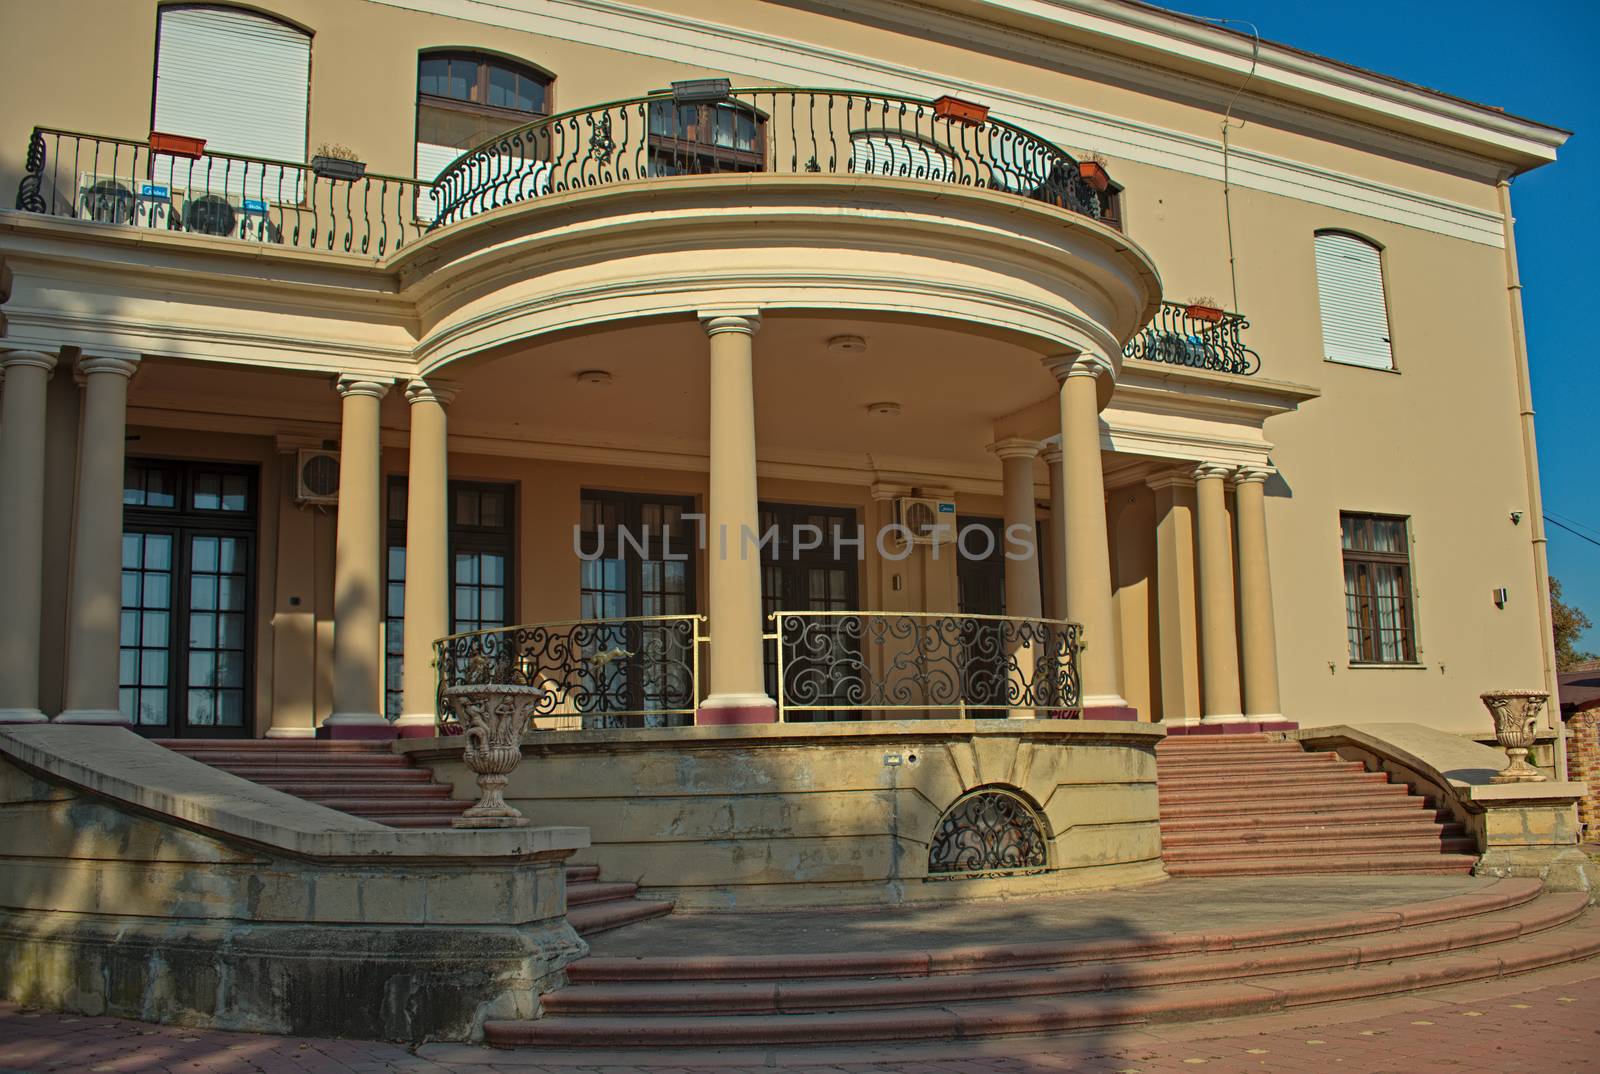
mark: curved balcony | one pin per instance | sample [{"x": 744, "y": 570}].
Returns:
[
  {"x": 1199, "y": 337},
  {"x": 174, "y": 184}
]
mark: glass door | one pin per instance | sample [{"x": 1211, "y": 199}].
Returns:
[
  {"x": 803, "y": 569},
  {"x": 981, "y": 580}
]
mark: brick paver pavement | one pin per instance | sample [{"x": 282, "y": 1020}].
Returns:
[{"x": 1544, "y": 1023}]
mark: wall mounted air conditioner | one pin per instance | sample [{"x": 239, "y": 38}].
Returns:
[
  {"x": 930, "y": 521},
  {"x": 124, "y": 201},
  {"x": 316, "y": 476}
]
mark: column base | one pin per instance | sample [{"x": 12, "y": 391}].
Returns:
[
  {"x": 1248, "y": 726},
  {"x": 726, "y": 709},
  {"x": 1227, "y": 717},
  {"x": 1124, "y": 712},
  {"x": 102, "y": 717},
  {"x": 417, "y": 725},
  {"x": 290, "y": 732},
  {"x": 357, "y": 725},
  {"x": 23, "y": 716}
]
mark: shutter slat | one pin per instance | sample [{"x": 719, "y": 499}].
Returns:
[
  {"x": 240, "y": 82},
  {"x": 1355, "y": 317}
]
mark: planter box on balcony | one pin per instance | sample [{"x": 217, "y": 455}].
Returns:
[
  {"x": 177, "y": 145},
  {"x": 958, "y": 111},
  {"x": 338, "y": 168},
  {"x": 1204, "y": 313},
  {"x": 1094, "y": 173}
]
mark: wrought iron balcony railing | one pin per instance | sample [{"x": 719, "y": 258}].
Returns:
[
  {"x": 596, "y": 673},
  {"x": 116, "y": 181},
  {"x": 1207, "y": 339},
  {"x": 173, "y": 184},
  {"x": 866, "y": 665},
  {"x": 788, "y": 131}
]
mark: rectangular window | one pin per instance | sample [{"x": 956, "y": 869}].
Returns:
[
  {"x": 1379, "y": 613},
  {"x": 188, "y": 580},
  {"x": 482, "y": 557},
  {"x": 1350, "y": 293}
]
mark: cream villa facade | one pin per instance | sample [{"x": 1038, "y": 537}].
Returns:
[{"x": 864, "y": 431}]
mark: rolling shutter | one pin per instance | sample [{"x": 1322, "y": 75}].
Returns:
[
  {"x": 888, "y": 153},
  {"x": 235, "y": 79},
  {"x": 1355, "y": 319}
]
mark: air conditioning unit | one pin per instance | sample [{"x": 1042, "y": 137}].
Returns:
[
  {"x": 255, "y": 222},
  {"x": 929, "y": 521},
  {"x": 316, "y": 476},
  {"x": 116, "y": 201}
]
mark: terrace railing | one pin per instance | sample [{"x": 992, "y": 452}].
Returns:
[
  {"x": 596, "y": 673},
  {"x": 1211, "y": 340},
  {"x": 866, "y": 664},
  {"x": 116, "y": 181},
  {"x": 787, "y": 131}
]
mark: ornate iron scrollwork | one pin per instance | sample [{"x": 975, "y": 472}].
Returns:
[
  {"x": 29, "y": 199},
  {"x": 1176, "y": 337},
  {"x": 989, "y": 832}
]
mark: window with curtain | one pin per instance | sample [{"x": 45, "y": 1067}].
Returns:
[
  {"x": 1379, "y": 614},
  {"x": 1355, "y": 314},
  {"x": 240, "y": 81},
  {"x": 466, "y": 98}
]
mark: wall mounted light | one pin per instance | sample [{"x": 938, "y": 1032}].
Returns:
[
  {"x": 1501, "y": 595},
  {"x": 1516, "y": 518}
]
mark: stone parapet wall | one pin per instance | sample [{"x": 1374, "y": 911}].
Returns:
[
  {"x": 807, "y": 814},
  {"x": 134, "y": 899}
]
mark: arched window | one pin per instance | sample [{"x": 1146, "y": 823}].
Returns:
[
  {"x": 1355, "y": 316},
  {"x": 466, "y": 98},
  {"x": 240, "y": 81}
]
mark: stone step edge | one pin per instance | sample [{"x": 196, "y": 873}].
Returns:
[
  {"x": 1500, "y": 895},
  {"x": 1267, "y": 834},
  {"x": 819, "y": 995},
  {"x": 1301, "y": 865},
  {"x": 1569, "y": 943},
  {"x": 1229, "y": 808},
  {"x": 591, "y": 919},
  {"x": 1404, "y": 810},
  {"x": 1341, "y": 845}
]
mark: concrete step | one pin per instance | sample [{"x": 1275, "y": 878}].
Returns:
[
  {"x": 853, "y": 993},
  {"x": 1346, "y": 841},
  {"x": 1249, "y": 781},
  {"x": 1362, "y": 827},
  {"x": 1302, "y": 814},
  {"x": 306, "y": 759},
  {"x": 585, "y": 893},
  {"x": 334, "y": 777},
  {"x": 579, "y": 873},
  {"x": 965, "y": 1006},
  {"x": 1292, "y": 765},
  {"x": 405, "y": 804},
  {"x": 308, "y": 745},
  {"x": 1264, "y": 864},
  {"x": 595, "y": 918},
  {"x": 1245, "y": 797},
  {"x": 1381, "y": 801}
]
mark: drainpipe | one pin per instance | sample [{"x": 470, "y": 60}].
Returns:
[{"x": 1530, "y": 462}]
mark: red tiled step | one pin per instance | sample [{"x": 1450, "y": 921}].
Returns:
[
  {"x": 1237, "y": 809},
  {"x": 1318, "y": 778},
  {"x": 352, "y": 780},
  {"x": 1278, "y": 980},
  {"x": 1263, "y": 834},
  {"x": 596, "y": 918},
  {"x": 1343, "y": 842},
  {"x": 585, "y": 892},
  {"x": 1261, "y": 864},
  {"x": 1243, "y": 794},
  {"x": 814, "y": 994},
  {"x": 1303, "y": 814},
  {"x": 1289, "y": 762},
  {"x": 406, "y": 805},
  {"x": 579, "y": 873}
]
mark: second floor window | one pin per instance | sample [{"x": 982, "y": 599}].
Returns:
[
  {"x": 466, "y": 98},
  {"x": 1355, "y": 314},
  {"x": 1377, "y": 589}
]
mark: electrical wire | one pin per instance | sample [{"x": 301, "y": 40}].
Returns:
[
  {"x": 1575, "y": 533},
  {"x": 1227, "y": 148},
  {"x": 1572, "y": 522}
]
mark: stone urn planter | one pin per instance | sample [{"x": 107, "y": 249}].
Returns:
[
  {"x": 493, "y": 717},
  {"x": 1515, "y": 713}
]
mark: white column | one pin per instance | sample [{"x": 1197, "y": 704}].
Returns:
[
  {"x": 94, "y": 601},
  {"x": 1219, "y": 638},
  {"x": 427, "y": 614},
  {"x": 1023, "y": 598},
  {"x": 1056, "y": 546},
  {"x": 737, "y": 690},
  {"x": 357, "y": 567},
  {"x": 1257, "y": 630},
  {"x": 22, "y": 439},
  {"x": 1175, "y": 595},
  {"x": 1088, "y": 551}
]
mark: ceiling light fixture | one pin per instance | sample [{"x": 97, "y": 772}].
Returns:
[
  {"x": 884, "y": 408},
  {"x": 594, "y": 376},
  {"x": 847, "y": 345}
]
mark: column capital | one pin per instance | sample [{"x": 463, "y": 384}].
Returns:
[
  {"x": 1050, "y": 451},
  {"x": 745, "y": 320},
  {"x": 1171, "y": 479},
  {"x": 88, "y": 365},
  {"x": 1077, "y": 364},
  {"x": 1218, "y": 470},
  {"x": 1247, "y": 474},
  {"x": 350, "y": 384},
  {"x": 431, "y": 391},
  {"x": 1015, "y": 447},
  {"x": 35, "y": 359}
]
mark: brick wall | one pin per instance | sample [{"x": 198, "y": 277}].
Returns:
[{"x": 1583, "y": 763}]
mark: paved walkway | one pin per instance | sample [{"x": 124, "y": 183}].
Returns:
[{"x": 1543, "y": 1023}]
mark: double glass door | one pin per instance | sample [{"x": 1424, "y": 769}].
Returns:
[
  {"x": 800, "y": 572},
  {"x": 188, "y": 580}
]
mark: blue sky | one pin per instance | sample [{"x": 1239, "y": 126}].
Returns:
[{"x": 1537, "y": 60}]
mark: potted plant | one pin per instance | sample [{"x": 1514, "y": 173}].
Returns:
[
  {"x": 1204, "y": 308},
  {"x": 337, "y": 162},
  {"x": 958, "y": 111},
  {"x": 177, "y": 145},
  {"x": 1092, "y": 170}
]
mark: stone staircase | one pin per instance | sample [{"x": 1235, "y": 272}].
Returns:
[
  {"x": 952, "y": 993},
  {"x": 370, "y": 780},
  {"x": 1239, "y": 805}
]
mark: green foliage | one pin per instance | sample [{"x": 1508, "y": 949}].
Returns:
[{"x": 1568, "y": 622}]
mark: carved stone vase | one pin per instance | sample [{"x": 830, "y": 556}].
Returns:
[
  {"x": 493, "y": 717},
  {"x": 1516, "y": 713}
]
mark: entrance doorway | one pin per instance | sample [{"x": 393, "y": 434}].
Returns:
[{"x": 805, "y": 569}]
